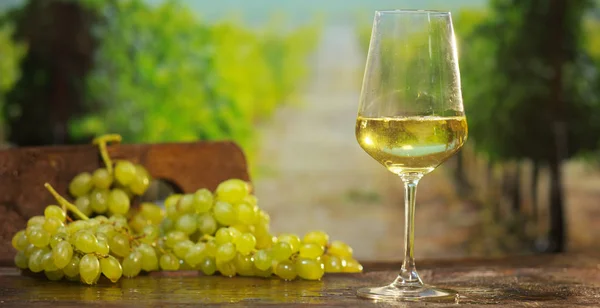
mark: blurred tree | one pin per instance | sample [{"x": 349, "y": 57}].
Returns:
[
  {"x": 10, "y": 57},
  {"x": 162, "y": 75},
  {"x": 53, "y": 71},
  {"x": 531, "y": 91}
]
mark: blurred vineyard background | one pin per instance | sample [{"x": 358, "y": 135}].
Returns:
[{"x": 282, "y": 79}]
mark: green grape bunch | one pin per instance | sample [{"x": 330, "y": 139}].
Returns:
[{"x": 104, "y": 233}]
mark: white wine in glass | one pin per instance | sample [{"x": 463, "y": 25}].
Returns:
[{"x": 411, "y": 118}]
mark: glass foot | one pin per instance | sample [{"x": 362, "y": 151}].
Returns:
[{"x": 399, "y": 293}]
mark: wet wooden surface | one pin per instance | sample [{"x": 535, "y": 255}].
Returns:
[
  {"x": 23, "y": 171},
  {"x": 531, "y": 281}
]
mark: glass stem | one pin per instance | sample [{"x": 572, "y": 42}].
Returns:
[{"x": 408, "y": 276}]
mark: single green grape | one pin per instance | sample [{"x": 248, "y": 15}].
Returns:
[
  {"x": 264, "y": 241},
  {"x": 208, "y": 265},
  {"x": 124, "y": 172},
  {"x": 75, "y": 226},
  {"x": 171, "y": 206},
  {"x": 175, "y": 237},
  {"x": 340, "y": 249},
  {"x": 226, "y": 268},
  {"x": 35, "y": 260},
  {"x": 30, "y": 249},
  {"x": 84, "y": 205},
  {"x": 137, "y": 222},
  {"x": 150, "y": 234},
  {"x": 245, "y": 213},
  {"x": 263, "y": 218},
  {"x": 186, "y": 223},
  {"x": 52, "y": 224},
  {"x": 107, "y": 230},
  {"x": 100, "y": 219},
  {"x": 291, "y": 239},
  {"x": 54, "y": 275},
  {"x": 111, "y": 268},
  {"x": 207, "y": 224},
  {"x": 244, "y": 265},
  {"x": 311, "y": 250},
  {"x": 186, "y": 204},
  {"x": 72, "y": 268},
  {"x": 93, "y": 223},
  {"x": 245, "y": 243},
  {"x": 36, "y": 220},
  {"x": 251, "y": 199},
  {"x": 141, "y": 181},
  {"x": 62, "y": 254},
  {"x": 211, "y": 248},
  {"x": 167, "y": 225},
  {"x": 102, "y": 247},
  {"x": 57, "y": 238},
  {"x": 118, "y": 220},
  {"x": 21, "y": 260},
  {"x": 48, "y": 262},
  {"x": 235, "y": 233},
  {"x": 38, "y": 237},
  {"x": 333, "y": 264},
  {"x": 232, "y": 191},
  {"x": 309, "y": 269},
  {"x": 152, "y": 212},
  {"x": 119, "y": 245},
  {"x": 181, "y": 249},
  {"x": 195, "y": 254},
  {"x": 19, "y": 240},
  {"x": 118, "y": 202},
  {"x": 99, "y": 200},
  {"x": 316, "y": 237},
  {"x": 149, "y": 257},
  {"x": 89, "y": 269},
  {"x": 281, "y": 251},
  {"x": 86, "y": 242},
  {"x": 203, "y": 200},
  {"x": 225, "y": 252},
  {"x": 102, "y": 179},
  {"x": 101, "y": 236},
  {"x": 223, "y": 236},
  {"x": 224, "y": 213},
  {"x": 169, "y": 262},
  {"x": 132, "y": 264},
  {"x": 55, "y": 212},
  {"x": 81, "y": 184},
  {"x": 350, "y": 265},
  {"x": 263, "y": 259},
  {"x": 286, "y": 270}
]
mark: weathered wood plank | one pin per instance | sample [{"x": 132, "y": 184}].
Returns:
[
  {"x": 533, "y": 281},
  {"x": 23, "y": 172}
]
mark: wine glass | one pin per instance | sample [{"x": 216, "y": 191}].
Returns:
[{"x": 411, "y": 117}]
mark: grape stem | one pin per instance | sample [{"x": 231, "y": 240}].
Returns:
[
  {"x": 102, "y": 142},
  {"x": 64, "y": 202}
]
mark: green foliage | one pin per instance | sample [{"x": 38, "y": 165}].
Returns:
[
  {"x": 508, "y": 68},
  {"x": 11, "y": 53},
  {"x": 162, "y": 75}
]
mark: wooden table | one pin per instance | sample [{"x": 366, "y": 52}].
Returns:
[{"x": 529, "y": 281}]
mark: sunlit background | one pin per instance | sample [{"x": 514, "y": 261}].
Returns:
[{"x": 282, "y": 78}]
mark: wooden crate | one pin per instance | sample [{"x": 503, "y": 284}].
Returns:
[{"x": 23, "y": 171}]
